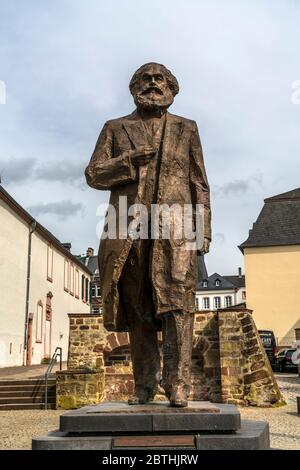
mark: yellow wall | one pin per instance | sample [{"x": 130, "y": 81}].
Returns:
[{"x": 273, "y": 289}]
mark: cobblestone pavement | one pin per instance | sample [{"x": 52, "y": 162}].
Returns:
[
  {"x": 284, "y": 422},
  {"x": 18, "y": 427}
]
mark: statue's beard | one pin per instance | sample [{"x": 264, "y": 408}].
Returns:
[{"x": 153, "y": 101}]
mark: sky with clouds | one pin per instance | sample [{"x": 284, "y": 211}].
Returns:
[{"x": 66, "y": 65}]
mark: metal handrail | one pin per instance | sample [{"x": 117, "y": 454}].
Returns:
[{"x": 57, "y": 353}]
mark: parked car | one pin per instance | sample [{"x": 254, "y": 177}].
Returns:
[
  {"x": 269, "y": 343},
  {"x": 285, "y": 361}
]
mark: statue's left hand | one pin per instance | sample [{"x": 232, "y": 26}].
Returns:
[{"x": 205, "y": 247}]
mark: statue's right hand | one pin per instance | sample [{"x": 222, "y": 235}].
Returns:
[{"x": 142, "y": 155}]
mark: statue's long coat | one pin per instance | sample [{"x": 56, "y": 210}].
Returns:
[{"x": 182, "y": 179}]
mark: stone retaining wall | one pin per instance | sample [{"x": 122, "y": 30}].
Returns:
[
  {"x": 229, "y": 363},
  {"x": 86, "y": 341},
  {"x": 246, "y": 375},
  {"x": 83, "y": 383}
]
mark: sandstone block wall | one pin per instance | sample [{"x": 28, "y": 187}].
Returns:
[
  {"x": 229, "y": 363},
  {"x": 83, "y": 383},
  {"x": 206, "y": 374},
  {"x": 86, "y": 341},
  {"x": 246, "y": 375},
  {"x": 75, "y": 388}
]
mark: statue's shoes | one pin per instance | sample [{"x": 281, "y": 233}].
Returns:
[
  {"x": 178, "y": 402},
  {"x": 178, "y": 398},
  {"x": 142, "y": 396},
  {"x": 135, "y": 400}
]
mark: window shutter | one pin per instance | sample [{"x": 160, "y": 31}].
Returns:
[{"x": 82, "y": 287}]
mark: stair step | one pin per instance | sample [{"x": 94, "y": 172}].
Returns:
[
  {"x": 27, "y": 406},
  {"x": 27, "y": 393},
  {"x": 16, "y": 400},
  {"x": 26, "y": 388},
  {"x": 33, "y": 390},
  {"x": 26, "y": 382}
]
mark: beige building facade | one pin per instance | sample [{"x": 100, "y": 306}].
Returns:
[
  {"x": 272, "y": 267},
  {"x": 40, "y": 283}
]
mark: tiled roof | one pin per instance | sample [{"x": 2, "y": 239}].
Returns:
[
  {"x": 278, "y": 223},
  {"x": 237, "y": 281},
  {"x": 225, "y": 284}
]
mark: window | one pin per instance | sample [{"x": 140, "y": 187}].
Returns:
[
  {"x": 217, "y": 302},
  {"x": 76, "y": 283},
  {"x": 67, "y": 275},
  {"x": 95, "y": 309},
  {"x": 93, "y": 290},
  {"x": 205, "y": 283},
  {"x": 197, "y": 303},
  {"x": 206, "y": 303},
  {"x": 218, "y": 283},
  {"x": 82, "y": 288},
  {"x": 228, "y": 301},
  {"x": 244, "y": 295},
  {"x": 50, "y": 263},
  {"x": 72, "y": 279},
  {"x": 39, "y": 322},
  {"x": 98, "y": 291}
]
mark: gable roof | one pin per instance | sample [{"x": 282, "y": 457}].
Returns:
[
  {"x": 225, "y": 284},
  {"x": 237, "y": 281},
  {"x": 40, "y": 229},
  {"x": 278, "y": 223},
  {"x": 91, "y": 262}
]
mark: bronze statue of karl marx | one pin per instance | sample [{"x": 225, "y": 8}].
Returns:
[{"x": 152, "y": 157}]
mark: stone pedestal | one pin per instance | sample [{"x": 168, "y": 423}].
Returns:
[
  {"x": 79, "y": 388},
  {"x": 112, "y": 426},
  {"x": 83, "y": 382}
]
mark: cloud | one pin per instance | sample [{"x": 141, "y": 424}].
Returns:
[
  {"x": 17, "y": 170},
  {"x": 22, "y": 170},
  {"x": 64, "y": 172},
  {"x": 235, "y": 187},
  {"x": 239, "y": 187},
  {"x": 62, "y": 209},
  {"x": 219, "y": 238}
]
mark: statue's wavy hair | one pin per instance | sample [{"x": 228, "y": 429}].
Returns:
[{"x": 171, "y": 79}]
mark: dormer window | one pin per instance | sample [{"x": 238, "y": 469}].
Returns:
[
  {"x": 218, "y": 283},
  {"x": 205, "y": 283}
]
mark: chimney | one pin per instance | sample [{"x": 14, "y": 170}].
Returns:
[
  {"x": 240, "y": 273},
  {"x": 90, "y": 252},
  {"x": 67, "y": 245}
]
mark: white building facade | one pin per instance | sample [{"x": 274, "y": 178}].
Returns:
[
  {"x": 216, "y": 292},
  {"x": 40, "y": 283}
]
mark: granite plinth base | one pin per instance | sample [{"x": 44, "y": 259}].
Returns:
[
  {"x": 155, "y": 417},
  {"x": 253, "y": 435},
  {"x": 110, "y": 426}
]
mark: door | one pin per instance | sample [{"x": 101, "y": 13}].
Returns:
[
  {"x": 47, "y": 343},
  {"x": 47, "y": 339}
]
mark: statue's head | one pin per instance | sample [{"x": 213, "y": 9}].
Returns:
[{"x": 153, "y": 87}]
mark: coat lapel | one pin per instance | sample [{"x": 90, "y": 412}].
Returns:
[
  {"x": 173, "y": 132},
  {"x": 136, "y": 133}
]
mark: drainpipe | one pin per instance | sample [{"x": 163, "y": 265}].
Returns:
[{"x": 32, "y": 228}]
